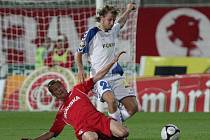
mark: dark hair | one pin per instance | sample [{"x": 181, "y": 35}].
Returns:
[
  {"x": 51, "y": 83},
  {"x": 105, "y": 10}
]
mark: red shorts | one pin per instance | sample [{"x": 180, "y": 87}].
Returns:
[{"x": 98, "y": 123}]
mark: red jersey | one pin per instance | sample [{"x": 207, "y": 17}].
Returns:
[{"x": 78, "y": 111}]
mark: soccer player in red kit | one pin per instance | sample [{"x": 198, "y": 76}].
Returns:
[{"x": 78, "y": 111}]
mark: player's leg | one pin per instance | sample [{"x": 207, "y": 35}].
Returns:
[
  {"x": 113, "y": 110},
  {"x": 108, "y": 129},
  {"x": 109, "y": 98},
  {"x": 89, "y": 135},
  {"x": 130, "y": 106},
  {"x": 118, "y": 130},
  {"x": 127, "y": 98},
  {"x": 105, "y": 93}
]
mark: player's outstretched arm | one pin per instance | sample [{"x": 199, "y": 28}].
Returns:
[
  {"x": 79, "y": 63},
  {"x": 45, "y": 136},
  {"x": 124, "y": 16},
  {"x": 105, "y": 69}
]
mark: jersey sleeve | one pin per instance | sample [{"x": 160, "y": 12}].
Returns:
[
  {"x": 83, "y": 46},
  {"x": 86, "y": 86},
  {"x": 116, "y": 30},
  {"x": 58, "y": 125},
  {"x": 86, "y": 41}
]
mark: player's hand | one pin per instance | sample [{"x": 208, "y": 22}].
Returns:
[
  {"x": 81, "y": 76},
  {"x": 131, "y": 7},
  {"x": 118, "y": 56}
]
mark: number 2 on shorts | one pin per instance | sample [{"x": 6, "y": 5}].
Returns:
[{"x": 104, "y": 85}]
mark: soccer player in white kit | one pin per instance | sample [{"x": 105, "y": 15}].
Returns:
[{"x": 99, "y": 44}]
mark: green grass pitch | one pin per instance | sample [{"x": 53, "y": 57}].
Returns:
[{"x": 142, "y": 126}]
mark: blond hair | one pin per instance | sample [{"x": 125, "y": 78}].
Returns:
[{"x": 106, "y": 9}]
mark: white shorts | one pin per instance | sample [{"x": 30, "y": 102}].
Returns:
[{"x": 114, "y": 83}]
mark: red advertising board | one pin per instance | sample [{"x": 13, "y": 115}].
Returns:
[
  {"x": 173, "y": 32},
  {"x": 185, "y": 93}
]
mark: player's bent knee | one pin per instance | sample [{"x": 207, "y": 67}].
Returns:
[
  {"x": 94, "y": 138},
  {"x": 123, "y": 134},
  {"x": 118, "y": 130},
  {"x": 90, "y": 136},
  {"x": 126, "y": 133}
]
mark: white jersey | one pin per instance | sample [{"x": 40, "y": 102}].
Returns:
[{"x": 100, "y": 47}]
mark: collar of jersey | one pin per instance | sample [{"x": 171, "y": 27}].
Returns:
[{"x": 102, "y": 29}]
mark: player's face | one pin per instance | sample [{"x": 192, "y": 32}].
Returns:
[
  {"x": 108, "y": 21},
  {"x": 58, "y": 91}
]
